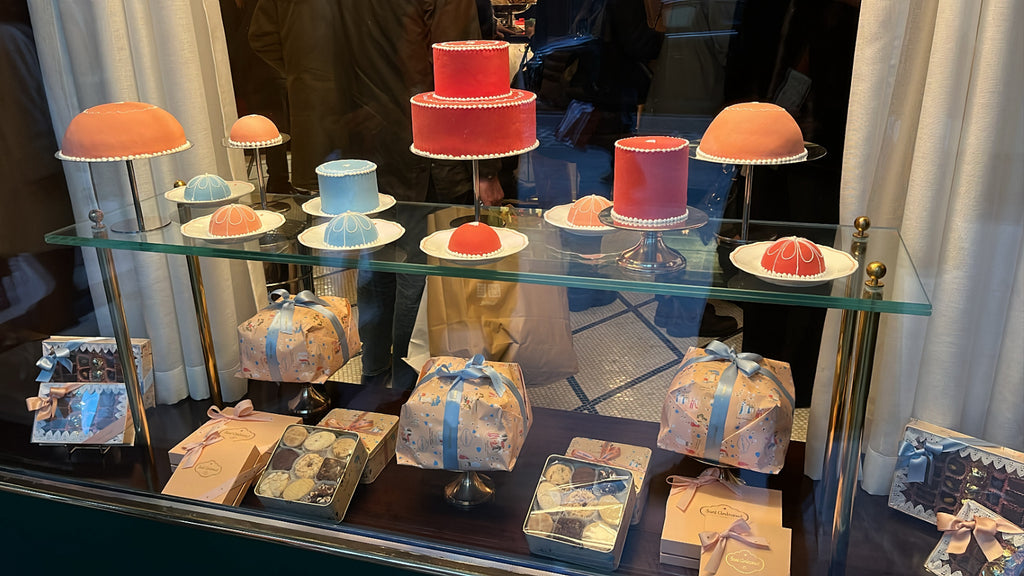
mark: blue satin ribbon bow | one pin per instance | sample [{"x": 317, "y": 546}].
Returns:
[
  {"x": 282, "y": 301},
  {"x": 59, "y": 355},
  {"x": 473, "y": 370},
  {"x": 919, "y": 460},
  {"x": 745, "y": 362}
]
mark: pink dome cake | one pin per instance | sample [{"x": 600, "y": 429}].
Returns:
[
  {"x": 584, "y": 212},
  {"x": 122, "y": 131},
  {"x": 651, "y": 174},
  {"x": 234, "y": 220},
  {"x": 473, "y": 112},
  {"x": 793, "y": 257},
  {"x": 474, "y": 239},
  {"x": 254, "y": 131},
  {"x": 753, "y": 133}
]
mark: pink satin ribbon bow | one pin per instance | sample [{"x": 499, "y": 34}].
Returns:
[
  {"x": 984, "y": 530},
  {"x": 360, "y": 424},
  {"x": 242, "y": 412},
  {"x": 689, "y": 486},
  {"x": 609, "y": 452},
  {"x": 714, "y": 543},
  {"x": 46, "y": 406},
  {"x": 194, "y": 450}
]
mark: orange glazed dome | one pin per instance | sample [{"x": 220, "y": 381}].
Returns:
[
  {"x": 584, "y": 211},
  {"x": 793, "y": 256},
  {"x": 474, "y": 239},
  {"x": 753, "y": 133},
  {"x": 122, "y": 131},
  {"x": 254, "y": 130},
  {"x": 234, "y": 220}
]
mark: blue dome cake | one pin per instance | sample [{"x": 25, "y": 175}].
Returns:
[
  {"x": 350, "y": 230},
  {"x": 347, "y": 185},
  {"x": 207, "y": 188}
]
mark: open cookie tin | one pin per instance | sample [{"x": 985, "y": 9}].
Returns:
[
  {"x": 300, "y": 459},
  {"x": 580, "y": 512}
]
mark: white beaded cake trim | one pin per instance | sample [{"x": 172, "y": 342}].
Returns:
[
  {"x": 483, "y": 104},
  {"x": 63, "y": 156},
  {"x": 472, "y": 256},
  {"x": 465, "y": 46},
  {"x": 353, "y": 247},
  {"x": 649, "y": 222},
  {"x": 477, "y": 98},
  {"x": 767, "y": 272},
  {"x": 722, "y": 160},
  {"x": 419, "y": 152},
  {"x": 685, "y": 144},
  {"x": 256, "y": 143},
  {"x": 325, "y": 172}
]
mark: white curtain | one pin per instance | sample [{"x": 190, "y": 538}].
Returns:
[
  {"x": 935, "y": 147},
  {"x": 172, "y": 54}
]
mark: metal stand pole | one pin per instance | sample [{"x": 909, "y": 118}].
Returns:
[
  {"x": 852, "y": 428},
  {"x": 139, "y": 219},
  {"x": 476, "y": 190},
  {"x": 748, "y": 188},
  {"x": 259, "y": 179}
]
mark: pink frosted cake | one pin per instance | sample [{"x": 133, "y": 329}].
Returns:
[
  {"x": 584, "y": 212},
  {"x": 234, "y": 220},
  {"x": 651, "y": 174},
  {"x": 793, "y": 257}
]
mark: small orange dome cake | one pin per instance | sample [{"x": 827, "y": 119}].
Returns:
[
  {"x": 234, "y": 220},
  {"x": 793, "y": 257},
  {"x": 122, "y": 131},
  {"x": 474, "y": 239},
  {"x": 254, "y": 130},
  {"x": 753, "y": 133},
  {"x": 584, "y": 211}
]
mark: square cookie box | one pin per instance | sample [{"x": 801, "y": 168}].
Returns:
[
  {"x": 580, "y": 512},
  {"x": 378, "y": 432},
  {"x": 633, "y": 458},
  {"x": 313, "y": 472},
  {"x": 973, "y": 561}
]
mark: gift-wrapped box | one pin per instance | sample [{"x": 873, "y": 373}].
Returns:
[
  {"x": 938, "y": 469},
  {"x": 465, "y": 415},
  {"x": 633, "y": 458},
  {"x": 738, "y": 548},
  {"x": 704, "y": 503},
  {"x": 977, "y": 541},
  {"x": 81, "y": 413},
  {"x": 304, "y": 338},
  {"x": 85, "y": 359},
  {"x": 238, "y": 425},
  {"x": 215, "y": 470},
  {"x": 378, "y": 433},
  {"x": 729, "y": 408}
]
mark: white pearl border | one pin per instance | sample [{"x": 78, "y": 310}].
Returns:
[
  {"x": 461, "y": 46},
  {"x": 418, "y": 152},
  {"x": 723, "y": 160},
  {"x": 474, "y": 256},
  {"x": 477, "y": 103},
  {"x": 255, "y": 143},
  {"x": 684, "y": 145},
  {"x": 475, "y": 99},
  {"x": 784, "y": 276},
  {"x": 62, "y": 156},
  {"x": 321, "y": 171},
  {"x": 630, "y": 221}
]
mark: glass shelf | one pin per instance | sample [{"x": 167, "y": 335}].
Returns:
[{"x": 554, "y": 257}]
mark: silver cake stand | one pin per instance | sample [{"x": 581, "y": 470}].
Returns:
[
  {"x": 651, "y": 255},
  {"x": 278, "y": 206}
]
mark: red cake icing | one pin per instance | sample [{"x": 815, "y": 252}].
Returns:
[
  {"x": 753, "y": 133},
  {"x": 471, "y": 69},
  {"x": 584, "y": 211},
  {"x": 122, "y": 131},
  {"x": 254, "y": 130},
  {"x": 458, "y": 128},
  {"x": 234, "y": 220},
  {"x": 474, "y": 239},
  {"x": 650, "y": 180},
  {"x": 793, "y": 256}
]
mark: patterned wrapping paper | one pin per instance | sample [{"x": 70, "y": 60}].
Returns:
[
  {"x": 632, "y": 458},
  {"x": 304, "y": 338},
  {"x": 465, "y": 415},
  {"x": 378, "y": 433},
  {"x": 938, "y": 469},
  {"x": 742, "y": 402},
  {"x": 1008, "y": 554},
  {"x": 88, "y": 359},
  {"x": 81, "y": 413}
]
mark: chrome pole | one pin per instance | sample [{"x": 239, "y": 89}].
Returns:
[
  {"x": 259, "y": 179},
  {"x": 476, "y": 190},
  {"x": 135, "y": 197},
  {"x": 748, "y": 188}
]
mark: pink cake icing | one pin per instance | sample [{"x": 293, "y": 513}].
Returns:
[
  {"x": 793, "y": 257},
  {"x": 584, "y": 212},
  {"x": 234, "y": 220}
]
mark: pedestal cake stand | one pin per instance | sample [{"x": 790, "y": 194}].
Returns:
[
  {"x": 259, "y": 164},
  {"x": 651, "y": 255}
]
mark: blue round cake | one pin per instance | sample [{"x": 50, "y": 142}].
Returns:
[
  {"x": 350, "y": 230},
  {"x": 347, "y": 185},
  {"x": 207, "y": 188}
]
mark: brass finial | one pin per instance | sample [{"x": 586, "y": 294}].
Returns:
[
  {"x": 875, "y": 271},
  {"x": 179, "y": 183},
  {"x": 861, "y": 223}
]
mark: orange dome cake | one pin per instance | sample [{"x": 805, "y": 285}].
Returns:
[
  {"x": 793, "y": 257},
  {"x": 584, "y": 211},
  {"x": 234, "y": 220},
  {"x": 254, "y": 131},
  {"x": 753, "y": 133},
  {"x": 122, "y": 131},
  {"x": 474, "y": 239}
]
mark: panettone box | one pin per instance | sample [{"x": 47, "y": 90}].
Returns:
[
  {"x": 977, "y": 541},
  {"x": 633, "y": 458},
  {"x": 87, "y": 359},
  {"x": 313, "y": 471},
  {"x": 465, "y": 415},
  {"x": 938, "y": 469},
  {"x": 215, "y": 471},
  {"x": 378, "y": 432},
  {"x": 580, "y": 512},
  {"x": 730, "y": 408},
  {"x": 768, "y": 555},
  {"x": 81, "y": 413},
  {"x": 239, "y": 425}
]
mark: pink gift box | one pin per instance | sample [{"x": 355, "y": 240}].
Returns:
[{"x": 239, "y": 425}]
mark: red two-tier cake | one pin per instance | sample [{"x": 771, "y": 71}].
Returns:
[{"x": 650, "y": 181}]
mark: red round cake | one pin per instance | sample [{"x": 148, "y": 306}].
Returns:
[
  {"x": 254, "y": 131},
  {"x": 122, "y": 131},
  {"x": 793, "y": 257},
  {"x": 471, "y": 69},
  {"x": 474, "y": 239},
  {"x": 753, "y": 133},
  {"x": 651, "y": 174},
  {"x": 585, "y": 211},
  {"x": 234, "y": 220}
]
